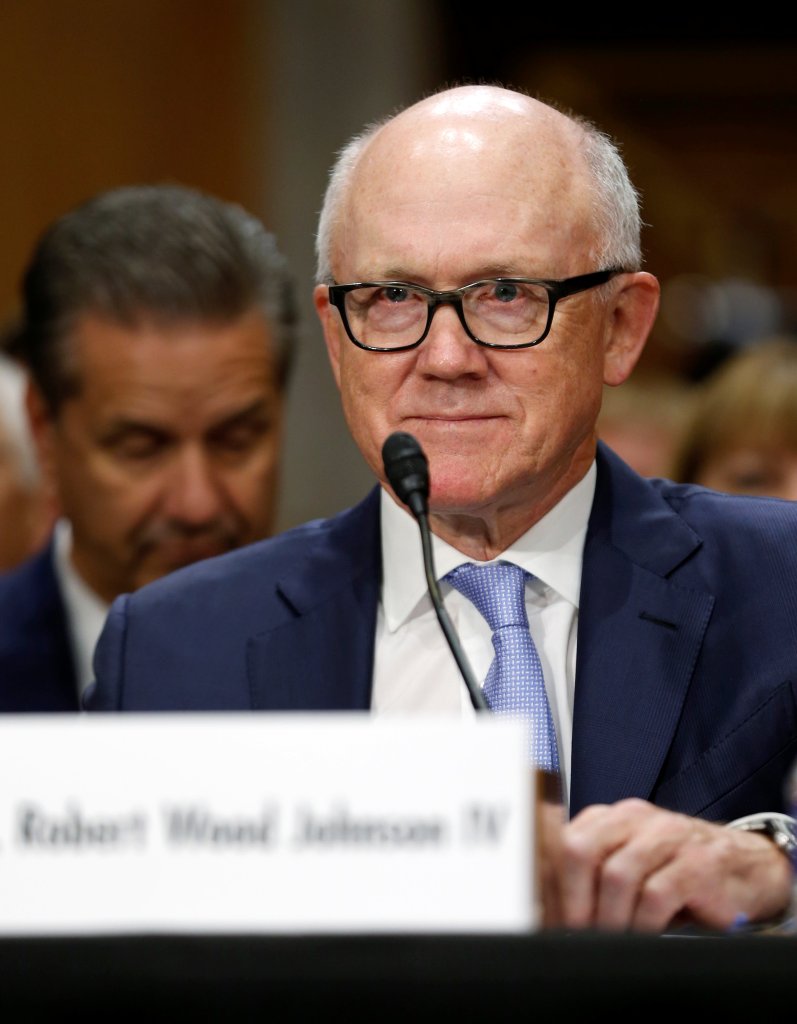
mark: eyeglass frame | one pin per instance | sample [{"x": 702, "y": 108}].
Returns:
[{"x": 555, "y": 290}]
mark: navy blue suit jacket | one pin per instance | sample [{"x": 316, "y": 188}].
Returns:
[
  {"x": 686, "y": 676},
  {"x": 37, "y": 670}
]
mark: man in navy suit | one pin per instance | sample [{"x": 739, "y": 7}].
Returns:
[
  {"x": 479, "y": 283},
  {"x": 157, "y": 328}
]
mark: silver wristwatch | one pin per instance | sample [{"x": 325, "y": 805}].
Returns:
[{"x": 780, "y": 828}]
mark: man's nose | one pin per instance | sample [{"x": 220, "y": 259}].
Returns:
[
  {"x": 447, "y": 351},
  {"x": 194, "y": 494}
]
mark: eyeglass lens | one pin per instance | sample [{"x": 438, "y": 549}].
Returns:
[{"x": 496, "y": 312}]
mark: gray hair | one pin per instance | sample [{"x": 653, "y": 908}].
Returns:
[
  {"x": 615, "y": 204},
  {"x": 335, "y": 197},
  {"x": 149, "y": 251},
  {"x": 615, "y": 200},
  {"x": 14, "y": 428}
]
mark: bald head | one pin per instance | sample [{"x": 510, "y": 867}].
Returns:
[
  {"x": 468, "y": 120},
  {"x": 479, "y": 141}
]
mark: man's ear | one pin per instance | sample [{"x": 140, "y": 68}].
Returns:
[
  {"x": 331, "y": 326},
  {"x": 633, "y": 312},
  {"x": 42, "y": 428}
]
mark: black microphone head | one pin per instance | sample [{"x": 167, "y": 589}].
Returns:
[{"x": 407, "y": 471}]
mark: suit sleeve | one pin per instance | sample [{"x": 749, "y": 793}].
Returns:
[{"x": 105, "y": 693}]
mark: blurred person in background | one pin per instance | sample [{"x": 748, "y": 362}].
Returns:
[
  {"x": 157, "y": 325},
  {"x": 741, "y": 435},
  {"x": 643, "y": 420},
  {"x": 26, "y": 514}
]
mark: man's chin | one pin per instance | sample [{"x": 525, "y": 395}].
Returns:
[
  {"x": 462, "y": 480},
  {"x": 181, "y": 559},
  {"x": 458, "y": 500}
]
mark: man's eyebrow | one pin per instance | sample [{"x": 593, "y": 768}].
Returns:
[
  {"x": 127, "y": 425},
  {"x": 259, "y": 407}
]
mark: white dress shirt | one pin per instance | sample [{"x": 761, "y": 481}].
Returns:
[
  {"x": 85, "y": 611},
  {"x": 414, "y": 669}
]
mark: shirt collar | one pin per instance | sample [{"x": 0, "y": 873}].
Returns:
[
  {"x": 85, "y": 611},
  {"x": 552, "y": 550}
]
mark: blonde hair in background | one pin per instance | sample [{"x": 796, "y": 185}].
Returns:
[{"x": 749, "y": 401}]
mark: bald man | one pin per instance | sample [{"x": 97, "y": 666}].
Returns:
[{"x": 479, "y": 283}]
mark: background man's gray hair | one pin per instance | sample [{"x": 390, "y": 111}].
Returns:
[{"x": 149, "y": 252}]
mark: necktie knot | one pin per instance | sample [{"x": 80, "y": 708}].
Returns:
[{"x": 497, "y": 590}]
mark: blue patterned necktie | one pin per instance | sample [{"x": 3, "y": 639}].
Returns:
[{"x": 514, "y": 683}]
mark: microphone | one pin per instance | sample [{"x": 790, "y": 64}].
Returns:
[{"x": 407, "y": 471}]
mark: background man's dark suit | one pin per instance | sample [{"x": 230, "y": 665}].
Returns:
[
  {"x": 686, "y": 690},
  {"x": 36, "y": 664}
]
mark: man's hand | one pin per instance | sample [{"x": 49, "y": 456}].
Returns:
[{"x": 634, "y": 866}]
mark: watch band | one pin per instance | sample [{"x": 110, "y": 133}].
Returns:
[{"x": 781, "y": 829}]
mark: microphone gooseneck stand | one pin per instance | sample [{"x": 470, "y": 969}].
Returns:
[{"x": 407, "y": 469}]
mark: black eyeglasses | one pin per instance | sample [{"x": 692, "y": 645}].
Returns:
[{"x": 502, "y": 312}]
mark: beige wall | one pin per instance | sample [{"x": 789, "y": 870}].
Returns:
[{"x": 97, "y": 93}]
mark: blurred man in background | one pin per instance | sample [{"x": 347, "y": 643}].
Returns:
[
  {"x": 158, "y": 328},
  {"x": 26, "y": 515}
]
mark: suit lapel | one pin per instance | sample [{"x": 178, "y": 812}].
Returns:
[
  {"x": 320, "y": 657},
  {"x": 639, "y": 637}
]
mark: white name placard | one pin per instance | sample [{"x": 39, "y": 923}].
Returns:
[{"x": 269, "y": 823}]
